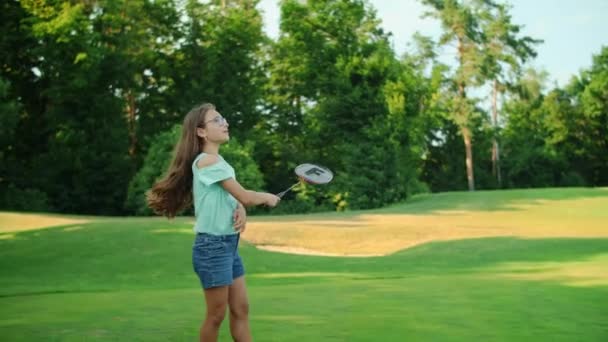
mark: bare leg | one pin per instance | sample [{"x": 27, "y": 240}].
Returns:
[
  {"x": 239, "y": 310},
  {"x": 217, "y": 300}
]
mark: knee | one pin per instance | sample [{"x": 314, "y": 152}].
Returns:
[
  {"x": 215, "y": 314},
  {"x": 240, "y": 311}
]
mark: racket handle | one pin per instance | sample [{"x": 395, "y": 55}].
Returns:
[{"x": 282, "y": 193}]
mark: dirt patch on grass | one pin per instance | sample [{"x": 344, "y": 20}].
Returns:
[
  {"x": 382, "y": 234},
  {"x": 306, "y": 251},
  {"x": 18, "y": 222}
]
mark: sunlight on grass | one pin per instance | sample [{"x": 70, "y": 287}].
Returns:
[
  {"x": 304, "y": 275},
  {"x": 72, "y": 228},
  {"x": 7, "y": 236},
  {"x": 18, "y": 222},
  {"x": 590, "y": 272},
  {"x": 299, "y": 319},
  {"x": 173, "y": 230}
]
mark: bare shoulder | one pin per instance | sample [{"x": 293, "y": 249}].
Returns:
[{"x": 207, "y": 160}]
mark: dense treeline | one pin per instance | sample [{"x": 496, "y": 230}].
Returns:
[{"x": 92, "y": 93}]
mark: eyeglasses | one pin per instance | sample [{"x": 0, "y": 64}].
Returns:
[{"x": 220, "y": 120}]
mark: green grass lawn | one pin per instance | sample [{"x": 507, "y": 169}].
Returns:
[{"x": 131, "y": 279}]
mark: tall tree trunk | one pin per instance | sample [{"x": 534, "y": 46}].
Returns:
[
  {"x": 466, "y": 132},
  {"x": 466, "y": 135},
  {"x": 495, "y": 148},
  {"x": 131, "y": 123}
]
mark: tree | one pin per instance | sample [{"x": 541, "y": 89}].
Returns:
[
  {"x": 72, "y": 129},
  {"x": 138, "y": 40},
  {"x": 218, "y": 60},
  {"x": 338, "y": 93},
  {"x": 533, "y": 128},
  {"x": 588, "y": 126},
  {"x": 460, "y": 23},
  {"x": 504, "y": 55}
]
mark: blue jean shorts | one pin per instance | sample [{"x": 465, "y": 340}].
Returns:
[{"x": 216, "y": 259}]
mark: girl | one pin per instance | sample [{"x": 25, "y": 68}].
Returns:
[{"x": 199, "y": 174}]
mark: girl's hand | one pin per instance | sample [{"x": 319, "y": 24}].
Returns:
[
  {"x": 272, "y": 200},
  {"x": 240, "y": 218}
]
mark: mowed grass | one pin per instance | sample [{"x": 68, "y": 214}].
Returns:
[{"x": 131, "y": 279}]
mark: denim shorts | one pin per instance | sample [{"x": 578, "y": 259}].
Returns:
[{"x": 216, "y": 259}]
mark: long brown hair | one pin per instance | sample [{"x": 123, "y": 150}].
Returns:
[{"x": 173, "y": 192}]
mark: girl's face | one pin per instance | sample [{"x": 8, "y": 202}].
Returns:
[{"x": 215, "y": 128}]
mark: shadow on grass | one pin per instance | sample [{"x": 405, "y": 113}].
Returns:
[
  {"x": 95, "y": 257},
  {"x": 461, "y": 256}
]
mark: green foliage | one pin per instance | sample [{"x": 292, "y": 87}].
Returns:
[
  {"x": 544, "y": 140},
  {"x": 158, "y": 160},
  {"x": 87, "y": 86},
  {"x": 589, "y": 151},
  {"x": 9, "y": 115},
  {"x": 443, "y": 159},
  {"x": 531, "y": 158},
  {"x": 370, "y": 178},
  {"x": 358, "y": 117},
  {"x": 218, "y": 61},
  {"x": 15, "y": 199},
  {"x": 90, "y": 167}
]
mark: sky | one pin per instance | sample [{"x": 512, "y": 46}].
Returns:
[{"x": 572, "y": 30}]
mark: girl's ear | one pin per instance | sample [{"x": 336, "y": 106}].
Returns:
[{"x": 201, "y": 132}]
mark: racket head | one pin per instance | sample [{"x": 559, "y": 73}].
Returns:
[{"x": 314, "y": 174}]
